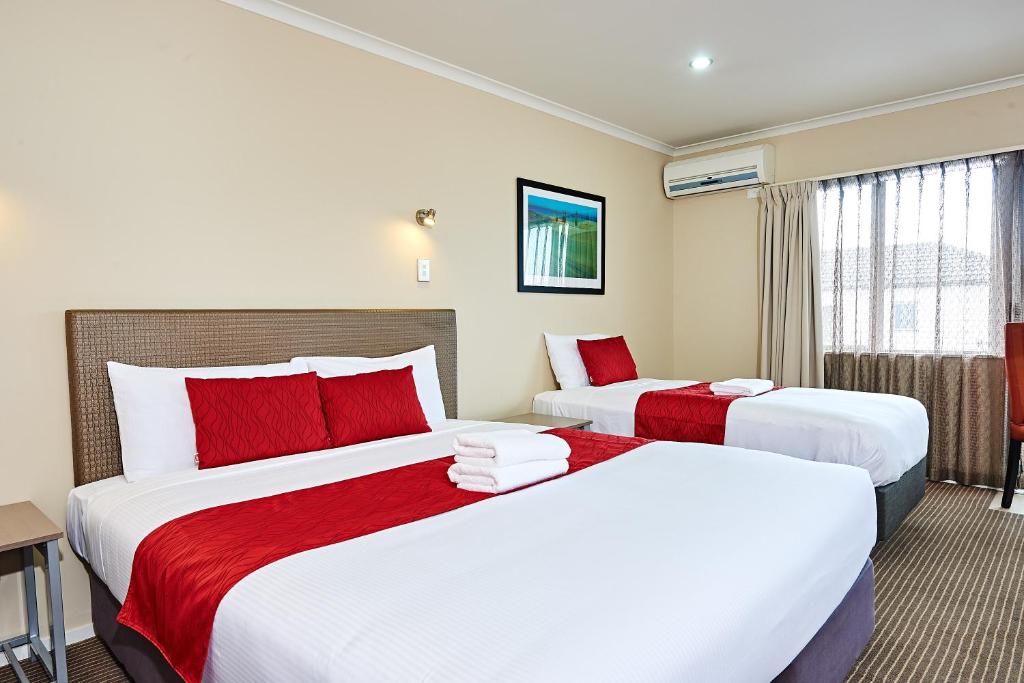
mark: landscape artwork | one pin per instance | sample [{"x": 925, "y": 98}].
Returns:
[{"x": 560, "y": 236}]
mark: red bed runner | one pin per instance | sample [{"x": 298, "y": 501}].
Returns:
[
  {"x": 184, "y": 568},
  {"x": 690, "y": 413}
]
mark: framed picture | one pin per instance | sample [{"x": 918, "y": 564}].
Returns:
[{"x": 560, "y": 238}]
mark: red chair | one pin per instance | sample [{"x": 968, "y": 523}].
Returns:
[{"x": 1015, "y": 381}]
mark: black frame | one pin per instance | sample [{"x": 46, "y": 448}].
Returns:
[{"x": 520, "y": 246}]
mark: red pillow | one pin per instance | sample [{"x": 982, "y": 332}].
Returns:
[
  {"x": 239, "y": 420},
  {"x": 371, "y": 406},
  {"x": 607, "y": 360}
]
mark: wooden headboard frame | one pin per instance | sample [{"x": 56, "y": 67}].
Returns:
[{"x": 202, "y": 338}]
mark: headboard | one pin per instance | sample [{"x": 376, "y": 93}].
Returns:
[{"x": 198, "y": 338}]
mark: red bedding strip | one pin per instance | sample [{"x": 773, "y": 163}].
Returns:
[
  {"x": 184, "y": 568},
  {"x": 691, "y": 413}
]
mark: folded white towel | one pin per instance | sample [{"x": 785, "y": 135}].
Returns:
[
  {"x": 501, "y": 479},
  {"x": 742, "y": 387},
  {"x": 477, "y": 462},
  {"x": 473, "y": 451},
  {"x": 511, "y": 446}
]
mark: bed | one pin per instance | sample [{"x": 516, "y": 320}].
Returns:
[
  {"x": 886, "y": 435},
  {"x": 688, "y": 585}
]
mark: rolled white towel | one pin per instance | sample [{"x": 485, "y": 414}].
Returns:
[
  {"x": 501, "y": 479},
  {"x": 742, "y": 387},
  {"x": 510, "y": 447}
]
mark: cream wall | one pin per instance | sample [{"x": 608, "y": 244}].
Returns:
[
  {"x": 716, "y": 235},
  {"x": 191, "y": 154}
]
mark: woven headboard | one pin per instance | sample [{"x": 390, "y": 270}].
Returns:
[{"x": 198, "y": 338}]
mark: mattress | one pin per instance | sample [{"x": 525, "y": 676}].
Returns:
[
  {"x": 881, "y": 433},
  {"x": 642, "y": 567}
]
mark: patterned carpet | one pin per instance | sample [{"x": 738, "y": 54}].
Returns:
[
  {"x": 949, "y": 594},
  {"x": 949, "y": 599},
  {"x": 88, "y": 662}
]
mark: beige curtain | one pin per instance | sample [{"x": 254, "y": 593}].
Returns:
[
  {"x": 790, "y": 286},
  {"x": 962, "y": 394}
]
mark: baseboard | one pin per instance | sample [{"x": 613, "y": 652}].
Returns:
[{"x": 74, "y": 635}]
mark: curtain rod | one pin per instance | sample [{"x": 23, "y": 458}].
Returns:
[{"x": 878, "y": 169}]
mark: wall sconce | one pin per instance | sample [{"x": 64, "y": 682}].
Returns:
[{"x": 426, "y": 217}]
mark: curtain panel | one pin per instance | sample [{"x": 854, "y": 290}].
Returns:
[
  {"x": 921, "y": 268},
  {"x": 789, "y": 277},
  {"x": 964, "y": 397}
]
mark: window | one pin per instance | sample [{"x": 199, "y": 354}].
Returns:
[
  {"x": 904, "y": 316},
  {"x": 907, "y": 261}
]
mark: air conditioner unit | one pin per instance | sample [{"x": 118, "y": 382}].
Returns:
[{"x": 738, "y": 168}]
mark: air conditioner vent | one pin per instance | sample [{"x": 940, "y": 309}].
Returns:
[{"x": 737, "y": 168}]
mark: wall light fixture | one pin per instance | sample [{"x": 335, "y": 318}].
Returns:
[{"x": 426, "y": 217}]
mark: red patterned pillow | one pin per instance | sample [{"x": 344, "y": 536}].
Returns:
[
  {"x": 238, "y": 420},
  {"x": 607, "y": 360},
  {"x": 371, "y": 406}
]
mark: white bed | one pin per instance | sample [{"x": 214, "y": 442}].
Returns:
[
  {"x": 642, "y": 567},
  {"x": 881, "y": 433}
]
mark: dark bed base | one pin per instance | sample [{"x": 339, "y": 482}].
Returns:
[
  {"x": 834, "y": 649},
  {"x": 829, "y": 656},
  {"x": 139, "y": 658},
  {"x": 895, "y": 501}
]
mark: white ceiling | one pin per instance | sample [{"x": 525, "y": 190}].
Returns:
[{"x": 775, "y": 63}]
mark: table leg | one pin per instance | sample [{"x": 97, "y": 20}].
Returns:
[
  {"x": 12, "y": 662},
  {"x": 28, "y": 571},
  {"x": 60, "y": 657}
]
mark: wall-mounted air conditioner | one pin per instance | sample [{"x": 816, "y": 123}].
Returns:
[{"x": 738, "y": 168}]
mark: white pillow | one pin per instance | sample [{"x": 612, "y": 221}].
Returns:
[
  {"x": 424, "y": 373},
  {"x": 154, "y": 416},
  {"x": 565, "y": 358}
]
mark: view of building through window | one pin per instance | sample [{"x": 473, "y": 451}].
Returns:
[{"x": 907, "y": 261}]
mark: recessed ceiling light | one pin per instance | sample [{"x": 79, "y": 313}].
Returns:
[{"x": 700, "y": 63}]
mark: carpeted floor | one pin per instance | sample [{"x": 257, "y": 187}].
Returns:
[
  {"x": 949, "y": 599},
  {"x": 949, "y": 594},
  {"x": 88, "y": 662}
]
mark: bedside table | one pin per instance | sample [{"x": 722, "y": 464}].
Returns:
[
  {"x": 549, "y": 421},
  {"x": 23, "y": 527}
]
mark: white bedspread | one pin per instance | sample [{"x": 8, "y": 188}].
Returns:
[
  {"x": 883, "y": 433},
  {"x": 647, "y": 567}
]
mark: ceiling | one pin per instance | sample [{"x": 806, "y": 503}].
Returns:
[{"x": 775, "y": 63}]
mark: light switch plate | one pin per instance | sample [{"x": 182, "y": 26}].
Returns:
[{"x": 423, "y": 270}]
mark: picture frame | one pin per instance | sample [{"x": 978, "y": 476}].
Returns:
[{"x": 560, "y": 239}]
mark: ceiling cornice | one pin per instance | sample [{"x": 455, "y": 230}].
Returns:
[
  {"x": 307, "y": 21},
  {"x": 327, "y": 28},
  {"x": 854, "y": 115}
]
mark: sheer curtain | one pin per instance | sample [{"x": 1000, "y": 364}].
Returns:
[{"x": 921, "y": 267}]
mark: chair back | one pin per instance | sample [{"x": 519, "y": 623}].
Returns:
[{"x": 1015, "y": 373}]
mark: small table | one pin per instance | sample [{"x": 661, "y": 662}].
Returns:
[
  {"x": 549, "y": 421},
  {"x": 23, "y": 527}
]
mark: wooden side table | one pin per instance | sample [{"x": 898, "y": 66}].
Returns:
[
  {"x": 23, "y": 527},
  {"x": 549, "y": 421}
]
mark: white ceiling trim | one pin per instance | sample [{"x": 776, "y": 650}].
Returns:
[
  {"x": 854, "y": 114},
  {"x": 327, "y": 28},
  {"x": 307, "y": 21}
]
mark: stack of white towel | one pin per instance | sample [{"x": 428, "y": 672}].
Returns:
[
  {"x": 742, "y": 387},
  {"x": 499, "y": 461}
]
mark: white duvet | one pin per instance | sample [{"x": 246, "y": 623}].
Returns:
[
  {"x": 648, "y": 567},
  {"x": 883, "y": 433}
]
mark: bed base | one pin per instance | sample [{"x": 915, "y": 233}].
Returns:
[
  {"x": 829, "y": 656},
  {"x": 895, "y": 501},
  {"x": 138, "y": 657},
  {"x": 834, "y": 649}
]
